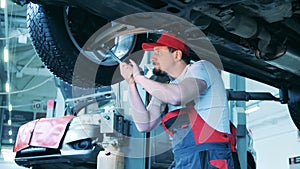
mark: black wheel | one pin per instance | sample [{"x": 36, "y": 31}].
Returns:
[
  {"x": 294, "y": 105},
  {"x": 59, "y": 33}
]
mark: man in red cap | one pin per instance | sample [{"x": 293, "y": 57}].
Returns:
[{"x": 197, "y": 117}]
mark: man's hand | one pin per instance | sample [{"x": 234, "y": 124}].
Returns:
[
  {"x": 136, "y": 70},
  {"x": 126, "y": 71}
]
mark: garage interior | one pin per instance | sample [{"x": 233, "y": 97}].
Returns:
[{"x": 29, "y": 90}]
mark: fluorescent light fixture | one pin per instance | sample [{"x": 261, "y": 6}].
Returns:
[
  {"x": 5, "y": 55},
  {"x": 252, "y": 109},
  {"x": 7, "y": 87},
  {"x": 10, "y": 132},
  {"x": 10, "y": 107},
  {"x": 3, "y": 4},
  {"x": 9, "y": 122}
]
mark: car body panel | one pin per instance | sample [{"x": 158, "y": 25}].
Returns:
[
  {"x": 66, "y": 140},
  {"x": 45, "y": 132}
]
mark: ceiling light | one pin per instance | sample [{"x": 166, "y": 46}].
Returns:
[
  {"x": 9, "y": 122},
  {"x": 252, "y": 109},
  {"x": 3, "y": 4},
  {"x": 10, "y": 132},
  {"x": 5, "y": 55},
  {"x": 7, "y": 87},
  {"x": 9, "y": 107}
]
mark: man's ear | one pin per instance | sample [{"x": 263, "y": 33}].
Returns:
[{"x": 178, "y": 55}]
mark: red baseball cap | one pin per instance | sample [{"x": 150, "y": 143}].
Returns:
[{"x": 167, "y": 39}]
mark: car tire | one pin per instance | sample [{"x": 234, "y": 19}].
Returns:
[
  {"x": 56, "y": 48},
  {"x": 294, "y": 105}
]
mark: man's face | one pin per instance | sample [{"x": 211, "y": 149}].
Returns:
[{"x": 161, "y": 59}]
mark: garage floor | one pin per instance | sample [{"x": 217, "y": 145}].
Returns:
[{"x": 9, "y": 165}]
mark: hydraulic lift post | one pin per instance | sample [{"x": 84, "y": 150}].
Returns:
[
  {"x": 239, "y": 96},
  {"x": 238, "y": 83}
]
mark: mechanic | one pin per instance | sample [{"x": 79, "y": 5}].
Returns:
[{"x": 197, "y": 117}]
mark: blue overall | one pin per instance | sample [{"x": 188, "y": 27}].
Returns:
[{"x": 196, "y": 145}]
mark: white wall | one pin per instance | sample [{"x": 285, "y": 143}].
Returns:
[
  {"x": 275, "y": 137},
  {"x": 274, "y": 133},
  {"x": 275, "y": 143}
]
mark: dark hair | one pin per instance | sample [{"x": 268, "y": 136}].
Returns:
[{"x": 185, "y": 57}]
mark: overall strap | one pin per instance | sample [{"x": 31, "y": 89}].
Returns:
[{"x": 203, "y": 132}]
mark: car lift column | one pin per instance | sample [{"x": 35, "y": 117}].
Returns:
[{"x": 237, "y": 83}]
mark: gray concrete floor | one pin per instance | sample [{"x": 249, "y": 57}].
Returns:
[{"x": 9, "y": 165}]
